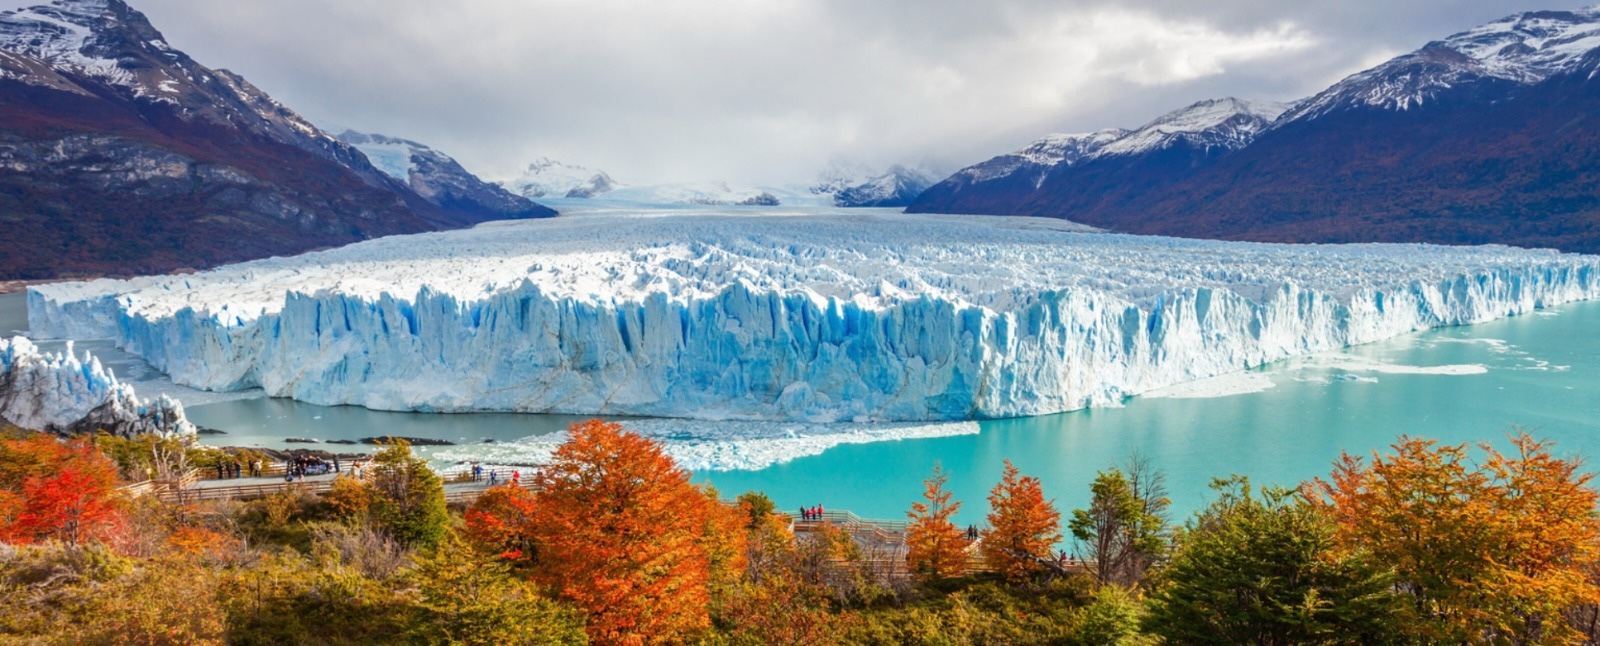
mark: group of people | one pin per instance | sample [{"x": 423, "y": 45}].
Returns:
[
  {"x": 811, "y": 513},
  {"x": 494, "y": 475},
  {"x": 302, "y": 466},
  {"x": 227, "y": 469}
]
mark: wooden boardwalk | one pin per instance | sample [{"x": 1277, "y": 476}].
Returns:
[{"x": 458, "y": 487}]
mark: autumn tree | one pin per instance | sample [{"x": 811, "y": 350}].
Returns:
[
  {"x": 1121, "y": 532},
  {"x": 1487, "y": 551},
  {"x": 471, "y": 598},
  {"x": 1023, "y": 526},
  {"x": 410, "y": 496},
  {"x": 1263, "y": 568},
  {"x": 55, "y": 490},
  {"x": 935, "y": 547},
  {"x": 502, "y": 519},
  {"x": 621, "y": 534}
]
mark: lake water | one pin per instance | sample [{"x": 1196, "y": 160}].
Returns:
[{"x": 1286, "y": 422}]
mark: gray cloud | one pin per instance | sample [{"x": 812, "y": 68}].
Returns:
[{"x": 772, "y": 90}]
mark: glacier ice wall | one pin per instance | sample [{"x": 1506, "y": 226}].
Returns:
[
  {"x": 57, "y": 392},
  {"x": 820, "y": 317}
]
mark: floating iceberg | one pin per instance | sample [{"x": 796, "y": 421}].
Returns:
[
  {"x": 57, "y": 392},
  {"x": 830, "y": 316}
]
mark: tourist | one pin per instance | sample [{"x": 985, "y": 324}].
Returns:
[
  {"x": 516, "y": 478},
  {"x": 805, "y": 514},
  {"x": 494, "y": 477},
  {"x": 477, "y": 472},
  {"x": 219, "y": 470},
  {"x": 336, "y": 464}
]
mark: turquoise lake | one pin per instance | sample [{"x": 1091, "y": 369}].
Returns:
[{"x": 1466, "y": 384}]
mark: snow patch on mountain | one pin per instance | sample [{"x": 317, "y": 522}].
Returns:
[
  {"x": 59, "y": 393},
  {"x": 59, "y": 33},
  {"x": 844, "y": 315},
  {"x": 392, "y": 156}
]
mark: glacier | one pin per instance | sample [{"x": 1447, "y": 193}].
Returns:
[
  {"x": 785, "y": 315},
  {"x": 59, "y": 393}
]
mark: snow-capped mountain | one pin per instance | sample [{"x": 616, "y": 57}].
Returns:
[
  {"x": 440, "y": 179},
  {"x": 1489, "y": 135},
  {"x": 1226, "y": 124},
  {"x": 108, "y": 44},
  {"x": 1197, "y": 133},
  {"x": 120, "y": 154},
  {"x": 549, "y": 178},
  {"x": 860, "y": 186},
  {"x": 1523, "y": 49}
]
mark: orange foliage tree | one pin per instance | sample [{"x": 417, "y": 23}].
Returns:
[
  {"x": 1492, "y": 551},
  {"x": 503, "y": 519},
  {"x": 1023, "y": 527},
  {"x": 55, "y": 490},
  {"x": 935, "y": 547},
  {"x": 621, "y": 533}
]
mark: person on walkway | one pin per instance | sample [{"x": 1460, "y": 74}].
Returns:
[
  {"x": 219, "y": 469},
  {"x": 477, "y": 472},
  {"x": 516, "y": 478},
  {"x": 336, "y": 464},
  {"x": 494, "y": 477}
]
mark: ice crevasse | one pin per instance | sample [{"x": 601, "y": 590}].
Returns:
[{"x": 817, "y": 317}]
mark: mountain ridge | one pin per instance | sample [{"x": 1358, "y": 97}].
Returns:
[
  {"x": 1487, "y": 135},
  {"x": 121, "y": 155}
]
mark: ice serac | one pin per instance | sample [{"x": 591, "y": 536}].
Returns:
[
  {"x": 848, "y": 316},
  {"x": 59, "y": 393}
]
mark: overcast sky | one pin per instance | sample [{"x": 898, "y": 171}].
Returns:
[{"x": 772, "y": 91}]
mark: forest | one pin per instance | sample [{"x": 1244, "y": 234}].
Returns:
[{"x": 611, "y": 543}]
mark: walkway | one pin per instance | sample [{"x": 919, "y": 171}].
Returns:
[{"x": 458, "y": 488}]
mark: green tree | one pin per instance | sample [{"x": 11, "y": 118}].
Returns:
[
  {"x": 1265, "y": 569},
  {"x": 470, "y": 597},
  {"x": 410, "y": 496},
  {"x": 1121, "y": 531},
  {"x": 757, "y": 507}
]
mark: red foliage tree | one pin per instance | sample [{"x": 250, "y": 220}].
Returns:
[{"x": 57, "y": 491}]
